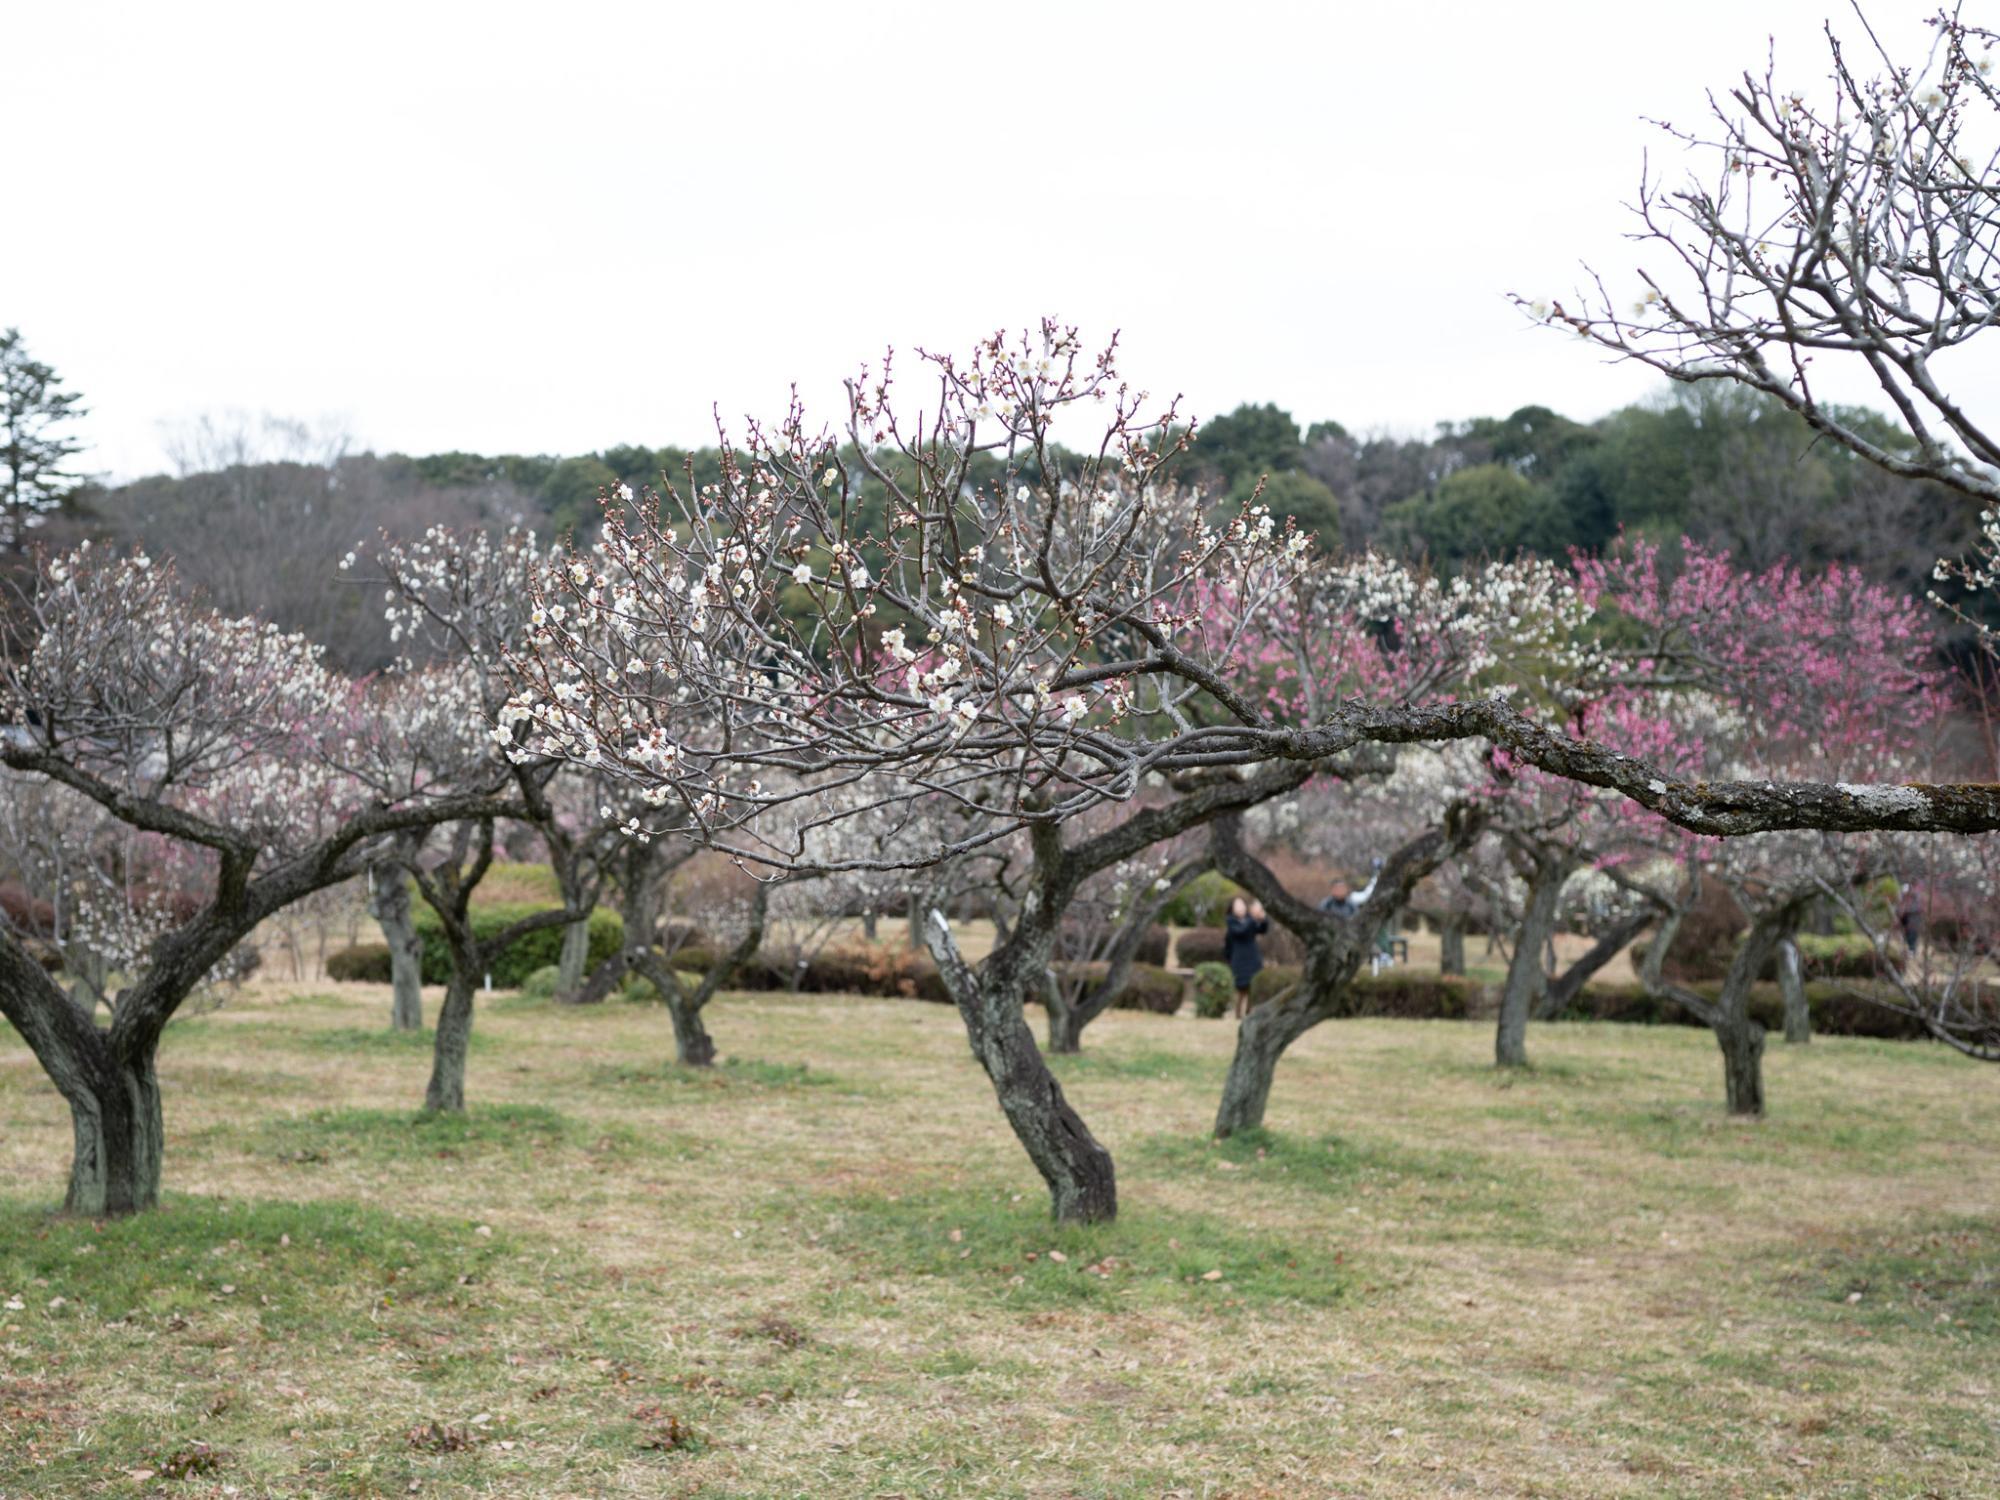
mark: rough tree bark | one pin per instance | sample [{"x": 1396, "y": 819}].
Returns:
[
  {"x": 1546, "y": 870},
  {"x": 107, "y": 1078},
  {"x": 1336, "y": 947},
  {"x": 992, "y": 1000},
  {"x": 1791, "y": 981},
  {"x": 1083, "y": 1185},
  {"x": 389, "y": 904},
  {"x": 1451, "y": 944},
  {"x": 574, "y": 959}
]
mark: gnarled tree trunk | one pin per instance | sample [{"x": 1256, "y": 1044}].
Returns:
[
  {"x": 1083, "y": 1187},
  {"x": 574, "y": 958},
  {"x": 1336, "y": 947},
  {"x": 446, "y": 1091},
  {"x": 1526, "y": 979},
  {"x": 389, "y": 904},
  {"x": 1270, "y": 1028},
  {"x": 1451, "y": 945},
  {"x": 119, "y": 1139},
  {"x": 1562, "y": 990}
]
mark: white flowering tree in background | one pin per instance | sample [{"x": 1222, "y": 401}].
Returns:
[
  {"x": 94, "y": 891},
  {"x": 223, "y": 737},
  {"x": 457, "y": 603}
]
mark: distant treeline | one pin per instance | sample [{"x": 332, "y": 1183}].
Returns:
[{"x": 259, "y": 521}]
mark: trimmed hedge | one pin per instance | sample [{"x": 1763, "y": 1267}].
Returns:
[
  {"x": 525, "y": 954},
  {"x": 368, "y": 963},
  {"x": 541, "y": 985},
  {"x": 1149, "y": 987},
  {"x": 1403, "y": 994},
  {"x": 1836, "y": 1011},
  {"x": 884, "y": 970},
  {"x": 1203, "y": 945},
  {"x": 1841, "y": 956},
  {"x": 364, "y": 963}
]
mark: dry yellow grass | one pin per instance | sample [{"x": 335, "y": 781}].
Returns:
[{"x": 1434, "y": 1280}]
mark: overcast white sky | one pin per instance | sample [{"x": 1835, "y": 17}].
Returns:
[{"x": 549, "y": 228}]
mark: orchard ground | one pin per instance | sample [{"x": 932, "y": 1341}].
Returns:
[{"x": 827, "y": 1270}]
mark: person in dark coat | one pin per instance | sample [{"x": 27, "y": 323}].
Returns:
[{"x": 1240, "y": 950}]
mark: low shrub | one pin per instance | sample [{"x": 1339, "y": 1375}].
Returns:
[
  {"x": 1213, "y": 990},
  {"x": 26, "y": 914},
  {"x": 527, "y": 953},
  {"x": 1202, "y": 902},
  {"x": 1839, "y": 956},
  {"x": 1843, "y": 956},
  {"x": 541, "y": 985},
  {"x": 1203, "y": 945},
  {"x": 368, "y": 963},
  {"x": 364, "y": 963}
]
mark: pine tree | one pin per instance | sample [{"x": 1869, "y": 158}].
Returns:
[{"x": 32, "y": 406}]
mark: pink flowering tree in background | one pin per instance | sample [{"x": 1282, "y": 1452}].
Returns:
[
  {"x": 1551, "y": 829},
  {"x": 1372, "y": 630},
  {"x": 223, "y": 736},
  {"x": 1779, "y": 674}
]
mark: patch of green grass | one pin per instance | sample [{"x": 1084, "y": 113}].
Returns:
[
  {"x": 316, "y": 1001},
  {"x": 1941, "y": 1279},
  {"x": 730, "y": 1073},
  {"x": 367, "y": 1041},
  {"x": 1003, "y": 1244},
  {"x": 1681, "y": 1130},
  {"x": 1458, "y": 1193},
  {"x": 372, "y": 1039},
  {"x": 1152, "y": 1063},
  {"x": 321, "y": 1268},
  {"x": 527, "y": 1131}
]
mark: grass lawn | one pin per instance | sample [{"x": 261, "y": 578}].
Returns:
[{"x": 826, "y": 1269}]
